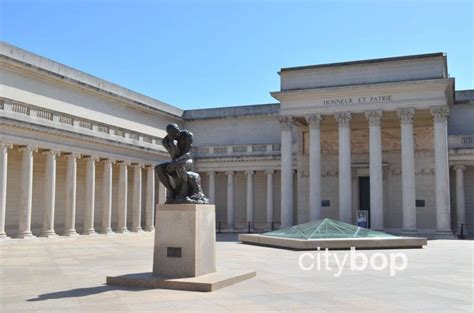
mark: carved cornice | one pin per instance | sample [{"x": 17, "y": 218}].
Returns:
[
  {"x": 314, "y": 120},
  {"x": 63, "y": 133},
  {"x": 440, "y": 114},
  {"x": 286, "y": 122},
  {"x": 406, "y": 115},
  {"x": 374, "y": 118},
  {"x": 343, "y": 119}
]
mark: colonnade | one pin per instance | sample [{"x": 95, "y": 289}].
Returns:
[
  {"x": 48, "y": 229},
  {"x": 374, "y": 118},
  {"x": 250, "y": 204}
]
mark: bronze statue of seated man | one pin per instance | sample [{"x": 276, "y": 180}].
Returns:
[{"x": 183, "y": 185}]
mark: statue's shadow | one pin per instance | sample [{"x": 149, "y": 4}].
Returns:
[{"x": 80, "y": 292}]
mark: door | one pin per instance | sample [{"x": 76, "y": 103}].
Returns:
[{"x": 364, "y": 195}]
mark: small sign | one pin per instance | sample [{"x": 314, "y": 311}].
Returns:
[
  {"x": 363, "y": 218},
  {"x": 173, "y": 252}
]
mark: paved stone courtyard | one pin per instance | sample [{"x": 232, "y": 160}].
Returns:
[{"x": 68, "y": 275}]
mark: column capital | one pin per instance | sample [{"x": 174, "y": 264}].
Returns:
[
  {"x": 72, "y": 156},
  {"x": 314, "y": 120},
  {"x": 406, "y": 115},
  {"x": 51, "y": 152},
  {"x": 5, "y": 145},
  {"x": 440, "y": 114},
  {"x": 268, "y": 172},
  {"x": 374, "y": 118},
  {"x": 459, "y": 167},
  {"x": 28, "y": 149},
  {"x": 91, "y": 158},
  {"x": 108, "y": 161},
  {"x": 343, "y": 119},
  {"x": 286, "y": 122},
  {"x": 230, "y": 173},
  {"x": 138, "y": 165},
  {"x": 249, "y": 172},
  {"x": 123, "y": 163},
  {"x": 211, "y": 173}
]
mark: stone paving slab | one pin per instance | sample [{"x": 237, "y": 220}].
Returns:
[{"x": 67, "y": 275}]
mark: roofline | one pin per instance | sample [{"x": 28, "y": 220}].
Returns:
[
  {"x": 367, "y": 61},
  {"x": 34, "y": 61},
  {"x": 244, "y": 110}
]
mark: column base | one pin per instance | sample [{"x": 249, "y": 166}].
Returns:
[
  {"x": 444, "y": 234},
  {"x": 150, "y": 228},
  {"x": 4, "y": 236},
  {"x": 122, "y": 230},
  {"x": 90, "y": 232},
  {"x": 107, "y": 231},
  {"x": 409, "y": 232},
  {"x": 49, "y": 234},
  {"x": 137, "y": 229},
  {"x": 25, "y": 235},
  {"x": 71, "y": 233}
]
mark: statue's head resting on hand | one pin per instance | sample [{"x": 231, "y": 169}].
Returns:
[{"x": 173, "y": 131}]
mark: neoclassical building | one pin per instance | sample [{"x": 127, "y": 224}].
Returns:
[{"x": 388, "y": 136}]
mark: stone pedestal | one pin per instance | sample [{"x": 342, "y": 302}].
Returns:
[
  {"x": 184, "y": 256},
  {"x": 185, "y": 240}
]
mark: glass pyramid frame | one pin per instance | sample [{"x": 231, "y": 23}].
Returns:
[{"x": 326, "y": 229}]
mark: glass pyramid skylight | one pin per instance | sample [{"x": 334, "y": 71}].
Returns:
[{"x": 326, "y": 228}]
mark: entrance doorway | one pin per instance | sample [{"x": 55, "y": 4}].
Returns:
[{"x": 364, "y": 195}]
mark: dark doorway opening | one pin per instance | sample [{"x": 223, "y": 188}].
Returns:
[{"x": 364, "y": 195}]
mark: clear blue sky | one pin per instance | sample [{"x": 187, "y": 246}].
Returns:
[{"x": 196, "y": 54}]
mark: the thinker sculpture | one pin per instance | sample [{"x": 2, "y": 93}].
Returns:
[{"x": 183, "y": 185}]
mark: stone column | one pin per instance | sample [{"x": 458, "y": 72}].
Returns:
[
  {"x": 250, "y": 209},
  {"x": 443, "y": 207},
  {"x": 3, "y": 185},
  {"x": 314, "y": 122},
  {"x": 161, "y": 193},
  {"x": 107, "y": 197},
  {"x": 122, "y": 197},
  {"x": 150, "y": 198},
  {"x": 230, "y": 199},
  {"x": 137, "y": 198},
  {"x": 49, "y": 193},
  {"x": 71, "y": 177},
  {"x": 460, "y": 198},
  {"x": 26, "y": 192},
  {"x": 287, "y": 196},
  {"x": 212, "y": 187},
  {"x": 345, "y": 170},
  {"x": 408, "y": 169},
  {"x": 375, "y": 169},
  {"x": 269, "y": 197},
  {"x": 90, "y": 196}
]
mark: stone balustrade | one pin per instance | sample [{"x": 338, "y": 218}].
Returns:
[
  {"x": 45, "y": 117},
  {"x": 236, "y": 150}
]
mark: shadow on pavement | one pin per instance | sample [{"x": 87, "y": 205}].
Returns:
[{"x": 80, "y": 292}]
